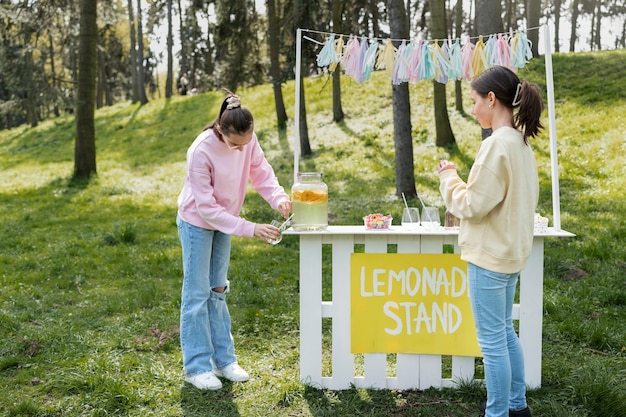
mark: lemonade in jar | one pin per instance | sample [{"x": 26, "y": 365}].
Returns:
[{"x": 309, "y": 196}]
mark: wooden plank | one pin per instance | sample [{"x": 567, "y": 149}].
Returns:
[
  {"x": 375, "y": 363},
  {"x": 342, "y": 358},
  {"x": 462, "y": 369},
  {"x": 311, "y": 310},
  {"x": 531, "y": 314}
]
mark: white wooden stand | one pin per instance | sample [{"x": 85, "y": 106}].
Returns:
[{"x": 412, "y": 371}]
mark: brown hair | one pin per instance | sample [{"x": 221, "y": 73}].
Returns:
[
  {"x": 233, "y": 118},
  {"x": 513, "y": 92}
]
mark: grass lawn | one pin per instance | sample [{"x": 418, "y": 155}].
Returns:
[{"x": 90, "y": 273}]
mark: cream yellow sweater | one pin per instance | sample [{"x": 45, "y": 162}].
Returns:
[{"x": 497, "y": 204}]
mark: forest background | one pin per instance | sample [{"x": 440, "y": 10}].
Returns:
[{"x": 234, "y": 43}]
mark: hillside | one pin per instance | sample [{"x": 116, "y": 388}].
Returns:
[{"x": 90, "y": 273}]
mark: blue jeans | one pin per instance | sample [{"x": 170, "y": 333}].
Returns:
[
  {"x": 205, "y": 335},
  {"x": 491, "y": 296}
]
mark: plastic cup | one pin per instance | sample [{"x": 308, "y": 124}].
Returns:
[
  {"x": 410, "y": 218},
  {"x": 430, "y": 218}
]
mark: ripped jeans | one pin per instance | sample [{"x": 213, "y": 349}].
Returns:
[{"x": 205, "y": 336}]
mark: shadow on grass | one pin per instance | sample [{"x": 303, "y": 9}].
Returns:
[
  {"x": 353, "y": 401},
  {"x": 196, "y": 402}
]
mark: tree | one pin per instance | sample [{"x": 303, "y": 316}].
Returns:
[
  {"x": 338, "y": 115},
  {"x": 488, "y": 21},
  {"x": 237, "y": 44},
  {"x": 275, "y": 72},
  {"x": 300, "y": 20},
  {"x": 133, "y": 54},
  {"x": 533, "y": 10},
  {"x": 458, "y": 27},
  {"x": 169, "y": 79},
  {"x": 85, "y": 146},
  {"x": 488, "y": 18},
  {"x": 557, "y": 24},
  {"x": 405, "y": 177},
  {"x": 444, "y": 135},
  {"x": 141, "y": 83},
  {"x": 573, "y": 36}
]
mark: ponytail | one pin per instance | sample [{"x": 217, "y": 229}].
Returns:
[{"x": 528, "y": 116}]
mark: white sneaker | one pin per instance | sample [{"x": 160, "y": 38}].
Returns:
[
  {"x": 206, "y": 380},
  {"x": 232, "y": 372}
]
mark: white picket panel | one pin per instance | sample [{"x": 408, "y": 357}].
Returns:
[{"x": 411, "y": 371}]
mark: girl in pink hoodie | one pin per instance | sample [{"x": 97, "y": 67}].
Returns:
[{"x": 223, "y": 160}]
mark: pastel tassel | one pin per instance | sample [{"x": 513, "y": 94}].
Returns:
[
  {"x": 456, "y": 63},
  {"x": 370, "y": 60},
  {"x": 427, "y": 67},
  {"x": 401, "y": 68},
  {"x": 386, "y": 58},
  {"x": 350, "y": 58},
  {"x": 502, "y": 52},
  {"x": 359, "y": 73},
  {"x": 467, "y": 51},
  {"x": 441, "y": 64},
  {"x": 479, "y": 62},
  {"x": 490, "y": 46},
  {"x": 522, "y": 50},
  {"x": 339, "y": 44},
  {"x": 414, "y": 60},
  {"x": 327, "y": 55}
]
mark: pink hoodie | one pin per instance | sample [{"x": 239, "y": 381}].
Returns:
[{"x": 217, "y": 181}]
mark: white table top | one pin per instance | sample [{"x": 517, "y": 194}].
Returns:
[{"x": 398, "y": 230}]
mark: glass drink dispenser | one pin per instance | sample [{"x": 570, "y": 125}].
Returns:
[{"x": 309, "y": 196}]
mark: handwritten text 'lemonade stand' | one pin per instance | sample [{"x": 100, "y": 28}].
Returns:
[{"x": 411, "y": 304}]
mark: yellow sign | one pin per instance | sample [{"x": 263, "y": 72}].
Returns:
[{"x": 411, "y": 303}]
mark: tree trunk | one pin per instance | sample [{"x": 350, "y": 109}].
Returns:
[
  {"x": 184, "y": 66},
  {"x": 444, "y": 135},
  {"x": 274, "y": 46},
  {"x": 133, "y": 54},
  {"x": 305, "y": 146},
  {"x": 337, "y": 28},
  {"x": 300, "y": 20},
  {"x": 169, "y": 78},
  {"x": 100, "y": 79},
  {"x": 458, "y": 30},
  {"x": 141, "y": 84},
  {"x": 573, "y": 36},
  {"x": 598, "y": 31},
  {"x": 557, "y": 24},
  {"x": 533, "y": 10},
  {"x": 85, "y": 149},
  {"x": 488, "y": 21},
  {"x": 403, "y": 144},
  {"x": 53, "y": 74}
]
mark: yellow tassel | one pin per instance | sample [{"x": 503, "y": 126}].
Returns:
[
  {"x": 386, "y": 59},
  {"x": 339, "y": 44}
]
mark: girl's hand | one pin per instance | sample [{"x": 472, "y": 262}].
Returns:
[
  {"x": 285, "y": 207},
  {"x": 265, "y": 232},
  {"x": 445, "y": 165}
]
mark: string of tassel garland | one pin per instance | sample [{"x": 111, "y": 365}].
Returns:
[{"x": 418, "y": 60}]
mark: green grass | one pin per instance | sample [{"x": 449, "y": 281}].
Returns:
[{"x": 90, "y": 274}]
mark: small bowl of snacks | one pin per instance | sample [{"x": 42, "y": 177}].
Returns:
[{"x": 377, "y": 221}]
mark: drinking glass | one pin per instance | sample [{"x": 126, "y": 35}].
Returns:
[
  {"x": 451, "y": 221},
  {"x": 430, "y": 218},
  {"x": 410, "y": 218},
  {"x": 280, "y": 227}
]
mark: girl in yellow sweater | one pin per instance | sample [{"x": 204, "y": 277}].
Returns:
[{"x": 497, "y": 207}]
